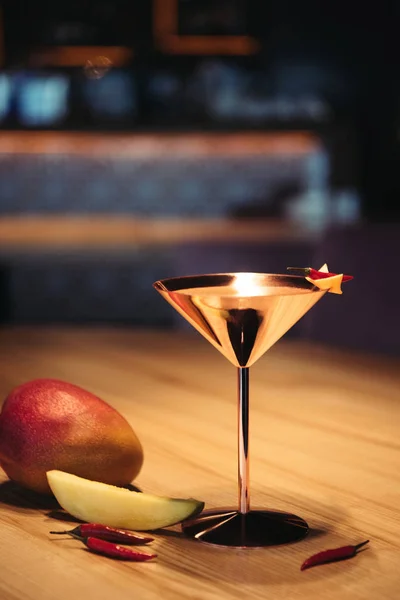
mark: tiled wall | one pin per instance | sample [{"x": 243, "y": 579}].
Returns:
[
  {"x": 204, "y": 187},
  {"x": 54, "y": 288}
]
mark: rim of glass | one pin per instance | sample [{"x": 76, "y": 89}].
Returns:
[{"x": 181, "y": 283}]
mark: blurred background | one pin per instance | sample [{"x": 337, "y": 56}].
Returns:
[{"x": 149, "y": 138}]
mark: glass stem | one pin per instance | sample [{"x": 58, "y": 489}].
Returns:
[{"x": 243, "y": 439}]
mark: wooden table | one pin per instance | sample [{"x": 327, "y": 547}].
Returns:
[{"x": 324, "y": 444}]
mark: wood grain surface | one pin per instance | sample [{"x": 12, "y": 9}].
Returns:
[
  {"x": 158, "y": 144},
  {"x": 324, "y": 444},
  {"x": 107, "y": 232}
]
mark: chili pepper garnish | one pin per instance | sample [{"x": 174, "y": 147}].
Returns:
[
  {"x": 115, "y": 550},
  {"x": 333, "y": 555},
  {"x": 103, "y": 532},
  {"x": 314, "y": 274}
]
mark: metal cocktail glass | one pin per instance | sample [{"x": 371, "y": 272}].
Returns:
[{"x": 242, "y": 315}]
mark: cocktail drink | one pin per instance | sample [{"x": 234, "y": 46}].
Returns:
[{"x": 242, "y": 315}]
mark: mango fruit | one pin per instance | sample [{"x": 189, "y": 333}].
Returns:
[
  {"x": 96, "y": 502},
  {"x": 49, "y": 424}
]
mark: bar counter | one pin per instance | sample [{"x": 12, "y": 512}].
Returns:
[{"x": 324, "y": 444}]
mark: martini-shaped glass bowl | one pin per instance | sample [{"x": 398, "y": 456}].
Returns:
[{"x": 242, "y": 315}]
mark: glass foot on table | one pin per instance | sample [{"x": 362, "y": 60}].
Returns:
[{"x": 257, "y": 528}]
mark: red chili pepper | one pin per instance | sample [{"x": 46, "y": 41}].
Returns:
[
  {"x": 332, "y": 555},
  {"x": 314, "y": 274},
  {"x": 103, "y": 532},
  {"x": 115, "y": 550}
]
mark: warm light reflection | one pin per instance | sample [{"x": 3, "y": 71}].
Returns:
[
  {"x": 246, "y": 284},
  {"x": 166, "y": 32}
]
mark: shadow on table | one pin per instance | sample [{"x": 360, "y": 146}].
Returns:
[
  {"x": 273, "y": 566},
  {"x": 14, "y": 495}
]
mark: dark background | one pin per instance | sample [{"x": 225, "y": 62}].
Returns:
[
  {"x": 329, "y": 68},
  {"x": 350, "y": 51}
]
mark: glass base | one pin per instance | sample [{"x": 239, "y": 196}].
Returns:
[{"x": 257, "y": 528}]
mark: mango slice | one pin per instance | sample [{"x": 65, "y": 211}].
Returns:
[
  {"x": 332, "y": 284},
  {"x": 95, "y": 502}
]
